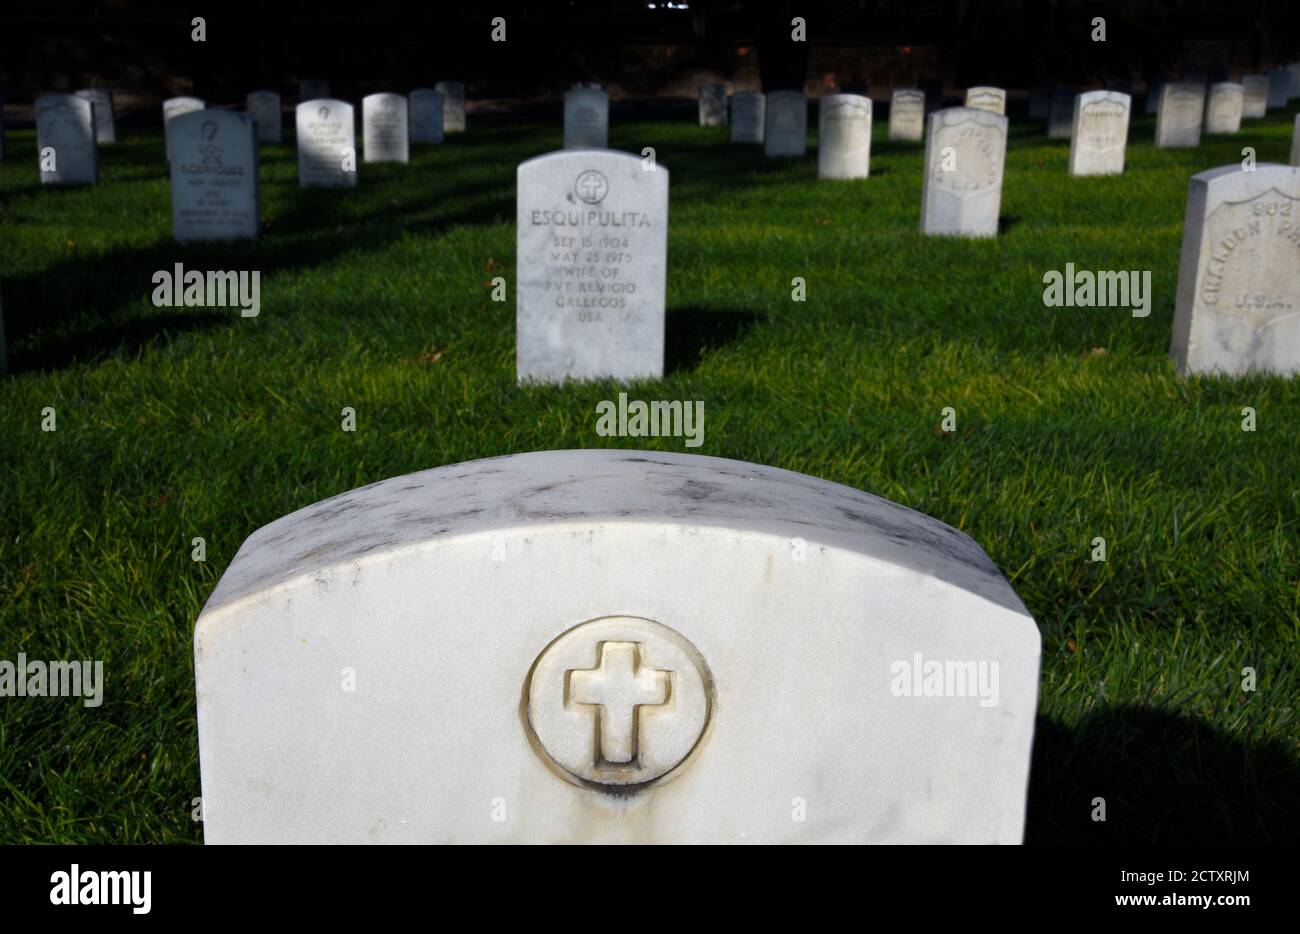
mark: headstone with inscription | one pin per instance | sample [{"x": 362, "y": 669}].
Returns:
[
  {"x": 713, "y": 105},
  {"x": 427, "y": 112},
  {"x": 264, "y": 108},
  {"x": 994, "y": 100},
  {"x": 1223, "y": 108},
  {"x": 907, "y": 115},
  {"x": 384, "y": 128},
  {"x": 1100, "y": 135},
  {"x": 965, "y": 150},
  {"x": 1238, "y": 304},
  {"x": 1060, "y": 120},
  {"x": 844, "y": 136},
  {"x": 327, "y": 144},
  {"x": 748, "y": 116},
  {"x": 172, "y": 108},
  {"x": 215, "y": 192},
  {"x": 591, "y": 267},
  {"x": 65, "y": 140},
  {"x": 586, "y": 119},
  {"x": 1254, "y": 97},
  {"x": 311, "y": 89},
  {"x": 453, "y": 105},
  {"x": 101, "y": 101},
  {"x": 786, "y": 130},
  {"x": 1178, "y": 121}
]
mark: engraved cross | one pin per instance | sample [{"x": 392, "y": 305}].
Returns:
[{"x": 620, "y": 686}]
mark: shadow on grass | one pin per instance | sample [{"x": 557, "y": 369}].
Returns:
[
  {"x": 1166, "y": 779},
  {"x": 693, "y": 332}
]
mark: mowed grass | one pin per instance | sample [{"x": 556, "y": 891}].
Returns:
[{"x": 1071, "y": 424}]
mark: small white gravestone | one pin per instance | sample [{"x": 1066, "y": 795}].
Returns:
[
  {"x": 748, "y": 116},
  {"x": 590, "y": 267},
  {"x": 101, "y": 102},
  {"x": 453, "y": 105},
  {"x": 264, "y": 108},
  {"x": 611, "y": 646},
  {"x": 965, "y": 150},
  {"x": 586, "y": 119},
  {"x": 1060, "y": 119},
  {"x": 384, "y": 128},
  {"x": 1223, "y": 108},
  {"x": 215, "y": 192},
  {"x": 1100, "y": 134},
  {"x": 713, "y": 105},
  {"x": 1254, "y": 96},
  {"x": 1279, "y": 88},
  {"x": 844, "y": 136},
  {"x": 907, "y": 115},
  {"x": 1238, "y": 306},
  {"x": 65, "y": 140},
  {"x": 994, "y": 100},
  {"x": 327, "y": 144},
  {"x": 427, "y": 112},
  {"x": 1178, "y": 121},
  {"x": 786, "y": 132},
  {"x": 310, "y": 89},
  {"x": 1295, "y": 142},
  {"x": 172, "y": 108}
]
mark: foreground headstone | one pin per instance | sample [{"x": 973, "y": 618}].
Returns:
[
  {"x": 172, "y": 108},
  {"x": 713, "y": 105},
  {"x": 215, "y": 192},
  {"x": 607, "y": 646},
  {"x": 586, "y": 119},
  {"x": 1040, "y": 100},
  {"x": 65, "y": 140},
  {"x": 264, "y": 108},
  {"x": 1178, "y": 121},
  {"x": 311, "y": 89},
  {"x": 786, "y": 132},
  {"x": 844, "y": 136},
  {"x": 907, "y": 115},
  {"x": 327, "y": 144},
  {"x": 748, "y": 117},
  {"x": 1223, "y": 108},
  {"x": 384, "y": 129},
  {"x": 453, "y": 105},
  {"x": 965, "y": 150},
  {"x": 427, "y": 112},
  {"x": 994, "y": 100},
  {"x": 1060, "y": 121},
  {"x": 1238, "y": 305},
  {"x": 1279, "y": 88},
  {"x": 101, "y": 102},
  {"x": 590, "y": 267},
  {"x": 1254, "y": 96},
  {"x": 1100, "y": 134}
]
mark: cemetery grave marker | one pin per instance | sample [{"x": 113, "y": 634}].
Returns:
[
  {"x": 586, "y": 119},
  {"x": 965, "y": 150},
  {"x": 844, "y": 136},
  {"x": 215, "y": 191},
  {"x": 748, "y": 117},
  {"x": 65, "y": 133},
  {"x": 264, "y": 108},
  {"x": 384, "y": 128},
  {"x": 907, "y": 115},
  {"x": 427, "y": 112},
  {"x": 786, "y": 132},
  {"x": 1100, "y": 135},
  {"x": 327, "y": 144}
]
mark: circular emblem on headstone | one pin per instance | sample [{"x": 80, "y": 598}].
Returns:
[
  {"x": 591, "y": 186},
  {"x": 209, "y": 130},
  {"x": 618, "y": 701}
]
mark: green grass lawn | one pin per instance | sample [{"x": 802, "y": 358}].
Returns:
[{"x": 176, "y": 423}]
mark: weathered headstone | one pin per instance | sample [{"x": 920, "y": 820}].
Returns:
[
  {"x": 264, "y": 108},
  {"x": 965, "y": 150},
  {"x": 384, "y": 128},
  {"x": 1238, "y": 305},
  {"x": 215, "y": 191},
  {"x": 590, "y": 267},
  {"x": 907, "y": 115},
  {"x": 1040, "y": 100},
  {"x": 101, "y": 101},
  {"x": 65, "y": 140},
  {"x": 748, "y": 116},
  {"x": 994, "y": 100},
  {"x": 310, "y": 89},
  {"x": 1178, "y": 121},
  {"x": 586, "y": 119},
  {"x": 844, "y": 136},
  {"x": 172, "y": 108},
  {"x": 453, "y": 105},
  {"x": 1254, "y": 96},
  {"x": 1223, "y": 108},
  {"x": 1100, "y": 134},
  {"x": 427, "y": 112},
  {"x": 1279, "y": 88},
  {"x": 786, "y": 130},
  {"x": 713, "y": 105},
  {"x": 327, "y": 144},
  {"x": 658, "y": 625},
  {"x": 1060, "y": 121}
]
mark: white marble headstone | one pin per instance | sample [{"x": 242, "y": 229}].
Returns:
[
  {"x": 1100, "y": 135},
  {"x": 713, "y": 105},
  {"x": 786, "y": 132},
  {"x": 965, "y": 151},
  {"x": 215, "y": 191},
  {"x": 844, "y": 136},
  {"x": 610, "y": 646},
  {"x": 907, "y": 115},
  {"x": 101, "y": 101},
  {"x": 453, "y": 105},
  {"x": 1060, "y": 119},
  {"x": 1238, "y": 304},
  {"x": 384, "y": 128},
  {"x": 1254, "y": 96},
  {"x": 65, "y": 140},
  {"x": 590, "y": 267},
  {"x": 264, "y": 108},
  {"x": 327, "y": 144},
  {"x": 1178, "y": 121},
  {"x": 310, "y": 89},
  {"x": 1223, "y": 108},
  {"x": 748, "y": 116},
  {"x": 586, "y": 119},
  {"x": 172, "y": 108},
  {"x": 427, "y": 112},
  {"x": 994, "y": 100}
]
